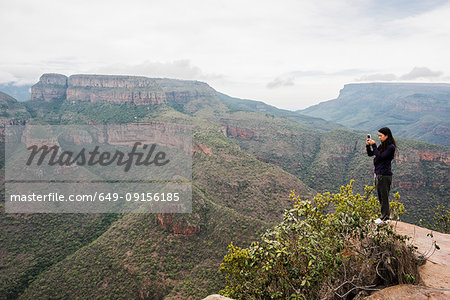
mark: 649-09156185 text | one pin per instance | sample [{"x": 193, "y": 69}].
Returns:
[{"x": 100, "y": 168}]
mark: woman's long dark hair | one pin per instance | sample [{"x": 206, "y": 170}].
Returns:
[{"x": 390, "y": 140}]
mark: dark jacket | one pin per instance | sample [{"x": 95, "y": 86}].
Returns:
[{"x": 382, "y": 161}]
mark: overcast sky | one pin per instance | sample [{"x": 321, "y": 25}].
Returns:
[{"x": 291, "y": 54}]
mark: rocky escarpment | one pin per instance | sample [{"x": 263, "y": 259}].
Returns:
[
  {"x": 117, "y": 89},
  {"x": 50, "y": 88},
  {"x": 242, "y": 133},
  {"x": 182, "y": 91},
  {"x": 166, "y": 135},
  {"x": 178, "y": 226}
]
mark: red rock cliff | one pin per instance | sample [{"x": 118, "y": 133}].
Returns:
[
  {"x": 182, "y": 91},
  {"x": 50, "y": 88},
  {"x": 118, "y": 89}
]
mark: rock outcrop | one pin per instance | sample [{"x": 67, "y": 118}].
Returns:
[
  {"x": 216, "y": 297},
  {"x": 137, "y": 90},
  {"x": 242, "y": 133},
  {"x": 167, "y": 135},
  {"x": 434, "y": 274},
  {"x": 201, "y": 149},
  {"x": 183, "y": 91},
  {"x": 418, "y": 156},
  {"x": 115, "y": 89},
  {"x": 438, "y": 261},
  {"x": 50, "y": 88},
  {"x": 410, "y": 292},
  {"x": 177, "y": 226}
]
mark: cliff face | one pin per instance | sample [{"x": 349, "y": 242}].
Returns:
[
  {"x": 50, "y": 88},
  {"x": 242, "y": 133},
  {"x": 162, "y": 134},
  {"x": 177, "y": 226},
  {"x": 117, "y": 89},
  {"x": 433, "y": 285},
  {"x": 182, "y": 91}
]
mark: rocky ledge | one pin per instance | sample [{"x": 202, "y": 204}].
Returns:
[{"x": 435, "y": 273}]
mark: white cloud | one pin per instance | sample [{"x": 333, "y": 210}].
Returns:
[
  {"x": 420, "y": 72},
  {"x": 179, "y": 69},
  {"x": 378, "y": 77},
  {"x": 415, "y": 74},
  {"x": 19, "y": 74},
  {"x": 279, "y": 82},
  {"x": 6, "y": 77}
]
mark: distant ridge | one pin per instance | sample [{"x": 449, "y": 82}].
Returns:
[
  {"x": 419, "y": 111},
  {"x": 19, "y": 92},
  {"x": 119, "y": 89}
]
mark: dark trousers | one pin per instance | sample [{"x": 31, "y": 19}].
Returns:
[{"x": 383, "y": 184}]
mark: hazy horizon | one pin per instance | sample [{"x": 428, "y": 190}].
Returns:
[
  {"x": 237, "y": 96},
  {"x": 289, "y": 54}
]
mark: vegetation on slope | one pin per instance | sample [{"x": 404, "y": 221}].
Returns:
[
  {"x": 314, "y": 254},
  {"x": 11, "y": 108},
  {"x": 33, "y": 243},
  {"x": 137, "y": 258},
  {"x": 440, "y": 222}
]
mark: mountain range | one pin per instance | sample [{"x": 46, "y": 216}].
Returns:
[
  {"x": 418, "y": 111},
  {"x": 18, "y": 92},
  {"x": 247, "y": 157}
]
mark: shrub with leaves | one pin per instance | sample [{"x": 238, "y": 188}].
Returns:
[
  {"x": 329, "y": 249},
  {"x": 441, "y": 220}
]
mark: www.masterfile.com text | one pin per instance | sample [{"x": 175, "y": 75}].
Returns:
[{"x": 102, "y": 197}]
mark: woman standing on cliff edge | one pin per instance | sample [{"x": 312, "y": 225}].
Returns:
[{"x": 384, "y": 154}]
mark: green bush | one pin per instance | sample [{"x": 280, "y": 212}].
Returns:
[
  {"x": 329, "y": 249},
  {"x": 441, "y": 220}
]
